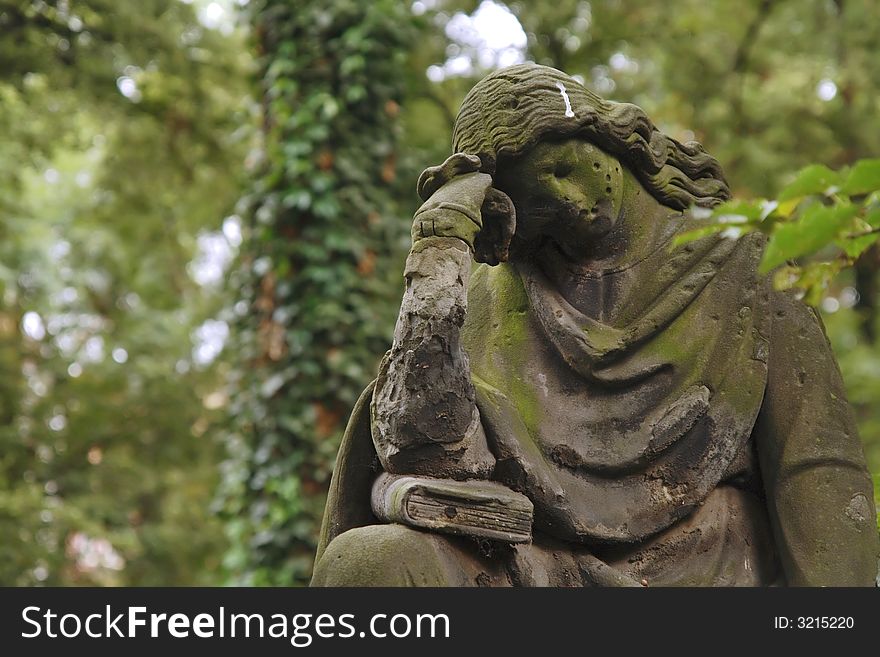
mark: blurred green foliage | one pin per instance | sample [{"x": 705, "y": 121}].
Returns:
[
  {"x": 131, "y": 130},
  {"x": 834, "y": 215},
  {"x": 119, "y": 150},
  {"x": 320, "y": 269}
]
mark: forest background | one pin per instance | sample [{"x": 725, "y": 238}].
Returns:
[{"x": 205, "y": 206}]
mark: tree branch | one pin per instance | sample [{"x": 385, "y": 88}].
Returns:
[{"x": 741, "y": 59}]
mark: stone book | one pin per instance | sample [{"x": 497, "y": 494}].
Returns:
[{"x": 477, "y": 508}]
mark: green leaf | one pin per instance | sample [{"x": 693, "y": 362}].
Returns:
[
  {"x": 814, "y": 229},
  {"x": 864, "y": 177},
  {"x": 326, "y": 207},
  {"x": 857, "y": 238},
  {"x": 271, "y": 385},
  {"x": 855, "y": 246},
  {"x": 812, "y": 279},
  {"x": 814, "y": 179},
  {"x": 697, "y": 234},
  {"x": 735, "y": 212},
  {"x": 786, "y": 277},
  {"x": 740, "y": 216},
  {"x": 299, "y": 198},
  {"x": 351, "y": 64},
  {"x": 786, "y": 208},
  {"x": 815, "y": 278}
]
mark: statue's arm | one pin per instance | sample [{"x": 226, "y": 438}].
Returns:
[
  {"x": 819, "y": 491},
  {"x": 424, "y": 416}
]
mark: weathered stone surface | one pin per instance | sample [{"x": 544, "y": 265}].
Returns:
[{"x": 673, "y": 420}]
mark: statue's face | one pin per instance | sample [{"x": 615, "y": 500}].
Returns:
[{"x": 570, "y": 191}]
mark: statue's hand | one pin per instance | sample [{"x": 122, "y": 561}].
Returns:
[
  {"x": 433, "y": 178},
  {"x": 460, "y": 202},
  {"x": 492, "y": 244}
]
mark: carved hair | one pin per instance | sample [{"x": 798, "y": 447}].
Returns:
[{"x": 511, "y": 110}]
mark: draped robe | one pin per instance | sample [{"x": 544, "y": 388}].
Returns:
[{"x": 633, "y": 429}]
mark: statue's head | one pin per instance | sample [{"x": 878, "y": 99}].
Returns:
[{"x": 510, "y": 112}]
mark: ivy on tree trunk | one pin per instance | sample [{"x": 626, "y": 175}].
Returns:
[{"x": 315, "y": 272}]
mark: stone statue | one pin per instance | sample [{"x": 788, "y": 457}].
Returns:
[{"x": 668, "y": 418}]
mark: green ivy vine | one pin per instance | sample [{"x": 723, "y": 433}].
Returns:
[{"x": 318, "y": 270}]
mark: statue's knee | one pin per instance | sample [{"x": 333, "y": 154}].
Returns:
[{"x": 382, "y": 555}]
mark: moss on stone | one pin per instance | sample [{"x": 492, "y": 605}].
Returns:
[{"x": 496, "y": 337}]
